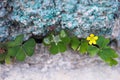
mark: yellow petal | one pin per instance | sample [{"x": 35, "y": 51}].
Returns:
[
  {"x": 88, "y": 38},
  {"x": 96, "y": 37},
  {"x": 91, "y": 35},
  {"x": 94, "y": 42},
  {"x": 90, "y": 42}
]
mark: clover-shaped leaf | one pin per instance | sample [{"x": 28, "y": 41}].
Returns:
[
  {"x": 75, "y": 43},
  {"x": 11, "y": 44},
  {"x": 64, "y": 37},
  {"x": 92, "y": 50},
  {"x": 20, "y": 54},
  {"x": 29, "y": 47},
  {"x": 18, "y": 41},
  {"x": 63, "y": 34},
  {"x": 66, "y": 40},
  {"x": 12, "y": 51},
  {"x": 83, "y": 46},
  {"x": 108, "y": 52},
  {"x": 108, "y": 55},
  {"x": 56, "y": 48},
  {"x": 112, "y": 62},
  {"x": 102, "y": 42},
  {"x": 53, "y": 49},
  {"x": 58, "y": 43},
  {"x": 20, "y": 50},
  {"x": 62, "y": 47}
]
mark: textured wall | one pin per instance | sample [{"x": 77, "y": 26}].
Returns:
[{"x": 82, "y": 17}]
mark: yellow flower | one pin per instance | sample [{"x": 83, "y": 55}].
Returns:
[{"x": 92, "y": 39}]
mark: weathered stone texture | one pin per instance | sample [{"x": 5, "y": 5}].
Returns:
[{"x": 81, "y": 17}]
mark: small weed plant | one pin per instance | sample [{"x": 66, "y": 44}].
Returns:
[
  {"x": 19, "y": 49},
  {"x": 92, "y": 45}
]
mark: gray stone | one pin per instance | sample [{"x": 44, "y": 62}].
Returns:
[
  {"x": 38, "y": 17},
  {"x": 64, "y": 66}
]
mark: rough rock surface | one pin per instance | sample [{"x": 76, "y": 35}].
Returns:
[
  {"x": 65, "y": 66},
  {"x": 81, "y": 17},
  {"x": 116, "y": 29}
]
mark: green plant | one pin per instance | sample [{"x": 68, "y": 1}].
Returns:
[
  {"x": 18, "y": 49},
  {"x": 93, "y": 45},
  {"x": 57, "y": 43},
  {"x": 96, "y": 45},
  {"x": 105, "y": 52}
]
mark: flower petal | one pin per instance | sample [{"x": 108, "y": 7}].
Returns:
[
  {"x": 90, "y": 42},
  {"x": 91, "y": 35},
  {"x": 96, "y": 38},
  {"x": 88, "y": 38},
  {"x": 94, "y": 42}
]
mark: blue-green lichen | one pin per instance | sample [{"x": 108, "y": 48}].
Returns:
[{"x": 82, "y": 17}]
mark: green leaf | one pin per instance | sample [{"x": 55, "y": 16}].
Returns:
[
  {"x": 63, "y": 34},
  {"x": 47, "y": 41},
  {"x": 12, "y": 51},
  {"x": 11, "y": 44},
  {"x": 107, "y": 54},
  {"x": 7, "y": 59},
  {"x": 92, "y": 50},
  {"x": 19, "y": 39},
  {"x": 102, "y": 42},
  {"x": 20, "y": 55},
  {"x": 53, "y": 49},
  {"x": 2, "y": 57},
  {"x": 20, "y": 51},
  {"x": 75, "y": 43},
  {"x": 61, "y": 47},
  {"x": 66, "y": 40},
  {"x": 84, "y": 46},
  {"x": 29, "y": 46},
  {"x": 113, "y": 62},
  {"x": 56, "y": 39}
]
